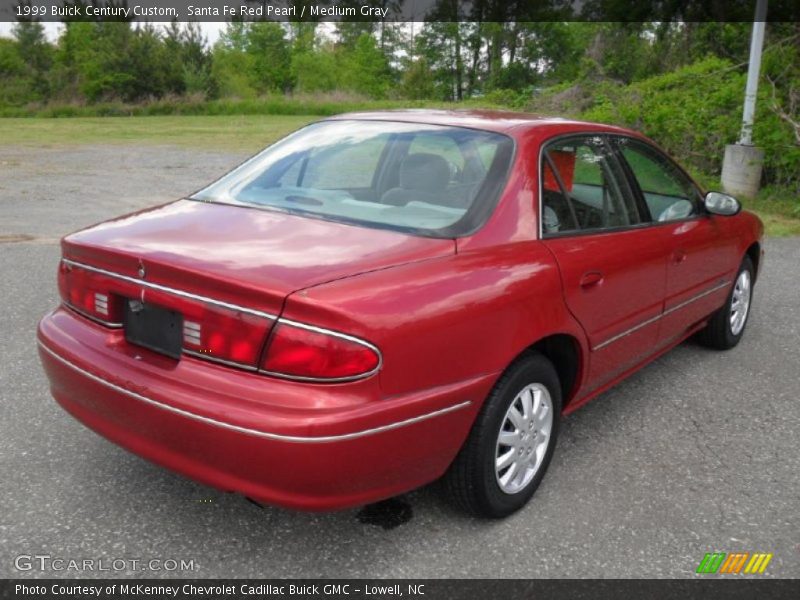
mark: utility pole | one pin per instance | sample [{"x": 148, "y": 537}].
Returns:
[{"x": 743, "y": 162}]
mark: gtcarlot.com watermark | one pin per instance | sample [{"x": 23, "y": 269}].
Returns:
[{"x": 48, "y": 562}]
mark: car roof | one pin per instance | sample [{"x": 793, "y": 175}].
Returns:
[{"x": 490, "y": 120}]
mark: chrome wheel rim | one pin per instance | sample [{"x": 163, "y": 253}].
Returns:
[
  {"x": 523, "y": 438},
  {"x": 740, "y": 302}
]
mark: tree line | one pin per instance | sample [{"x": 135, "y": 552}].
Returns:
[{"x": 445, "y": 61}]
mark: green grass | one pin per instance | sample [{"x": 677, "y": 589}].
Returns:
[
  {"x": 237, "y": 133},
  {"x": 779, "y": 208}
]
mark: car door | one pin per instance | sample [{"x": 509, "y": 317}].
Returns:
[
  {"x": 613, "y": 267},
  {"x": 701, "y": 249}
]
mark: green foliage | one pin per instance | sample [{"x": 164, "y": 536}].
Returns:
[
  {"x": 231, "y": 64},
  {"x": 16, "y": 87},
  {"x": 694, "y": 112},
  {"x": 441, "y": 45},
  {"x": 36, "y": 56},
  {"x": 418, "y": 82},
  {"x": 11, "y": 63},
  {"x": 268, "y": 49},
  {"x": 507, "y": 97},
  {"x": 364, "y": 69},
  {"x": 251, "y": 59},
  {"x": 315, "y": 71}
]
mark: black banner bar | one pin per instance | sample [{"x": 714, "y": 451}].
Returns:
[
  {"x": 422, "y": 589},
  {"x": 394, "y": 10}
]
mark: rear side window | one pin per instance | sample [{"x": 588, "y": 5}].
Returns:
[
  {"x": 582, "y": 189},
  {"x": 668, "y": 192}
]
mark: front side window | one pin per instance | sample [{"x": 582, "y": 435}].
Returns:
[
  {"x": 668, "y": 192},
  {"x": 433, "y": 180},
  {"x": 581, "y": 188}
]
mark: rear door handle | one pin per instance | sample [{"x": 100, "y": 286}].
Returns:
[
  {"x": 590, "y": 279},
  {"x": 679, "y": 256}
]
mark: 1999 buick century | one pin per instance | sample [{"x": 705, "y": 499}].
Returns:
[{"x": 381, "y": 299}]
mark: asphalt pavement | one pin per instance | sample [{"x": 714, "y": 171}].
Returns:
[{"x": 696, "y": 453}]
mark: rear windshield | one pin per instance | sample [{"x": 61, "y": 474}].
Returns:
[{"x": 426, "y": 179}]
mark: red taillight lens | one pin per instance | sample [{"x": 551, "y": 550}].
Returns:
[
  {"x": 215, "y": 332},
  {"x": 223, "y": 334},
  {"x": 298, "y": 352},
  {"x": 89, "y": 295}
]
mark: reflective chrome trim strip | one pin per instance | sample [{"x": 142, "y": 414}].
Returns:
[
  {"x": 307, "y": 379},
  {"x": 255, "y": 432},
  {"x": 693, "y": 298},
  {"x": 628, "y": 332},
  {"x": 82, "y": 313},
  {"x": 635, "y": 328},
  {"x": 221, "y": 361},
  {"x": 169, "y": 290}
]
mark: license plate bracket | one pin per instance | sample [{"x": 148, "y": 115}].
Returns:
[{"x": 154, "y": 327}]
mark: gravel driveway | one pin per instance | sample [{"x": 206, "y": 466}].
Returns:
[{"x": 696, "y": 453}]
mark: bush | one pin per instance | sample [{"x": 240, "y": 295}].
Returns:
[{"x": 692, "y": 112}]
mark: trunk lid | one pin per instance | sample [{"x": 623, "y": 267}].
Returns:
[{"x": 248, "y": 257}]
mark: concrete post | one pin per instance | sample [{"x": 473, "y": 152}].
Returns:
[
  {"x": 741, "y": 170},
  {"x": 743, "y": 162}
]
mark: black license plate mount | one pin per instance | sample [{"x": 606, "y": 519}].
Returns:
[{"x": 154, "y": 327}]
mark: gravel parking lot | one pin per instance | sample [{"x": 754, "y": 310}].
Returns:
[{"x": 696, "y": 453}]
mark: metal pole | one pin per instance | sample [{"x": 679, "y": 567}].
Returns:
[{"x": 756, "y": 44}]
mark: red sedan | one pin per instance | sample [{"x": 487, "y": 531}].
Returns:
[{"x": 381, "y": 299}]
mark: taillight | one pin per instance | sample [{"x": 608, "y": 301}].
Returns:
[
  {"x": 229, "y": 337},
  {"x": 222, "y": 332},
  {"x": 305, "y": 353},
  {"x": 86, "y": 295},
  {"x": 209, "y": 331}
]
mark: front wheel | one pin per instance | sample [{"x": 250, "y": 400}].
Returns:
[
  {"x": 511, "y": 443},
  {"x": 726, "y": 326}
]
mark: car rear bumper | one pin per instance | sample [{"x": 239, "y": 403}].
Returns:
[{"x": 300, "y": 445}]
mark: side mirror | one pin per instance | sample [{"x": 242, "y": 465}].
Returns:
[{"x": 718, "y": 203}]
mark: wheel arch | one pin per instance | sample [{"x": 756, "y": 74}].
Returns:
[{"x": 566, "y": 354}]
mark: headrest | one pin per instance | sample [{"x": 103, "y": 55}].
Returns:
[
  {"x": 424, "y": 171},
  {"x": 565, "y": 163}
]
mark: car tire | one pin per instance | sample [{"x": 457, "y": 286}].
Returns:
[
  {"x": 476, "y": 481},
  {"x": 726, "y": 326}
]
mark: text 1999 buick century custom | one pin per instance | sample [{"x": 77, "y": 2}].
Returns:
[{"x": 381, "y": 299}]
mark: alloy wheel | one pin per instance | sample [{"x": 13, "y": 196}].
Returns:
[
  {"x": 740, "y": 302},
  {"x": 523, "y": 438}
]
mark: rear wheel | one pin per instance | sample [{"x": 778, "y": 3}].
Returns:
[
  {"x": 511, "y": 443},
  {"x": 726, "y": 326}
]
